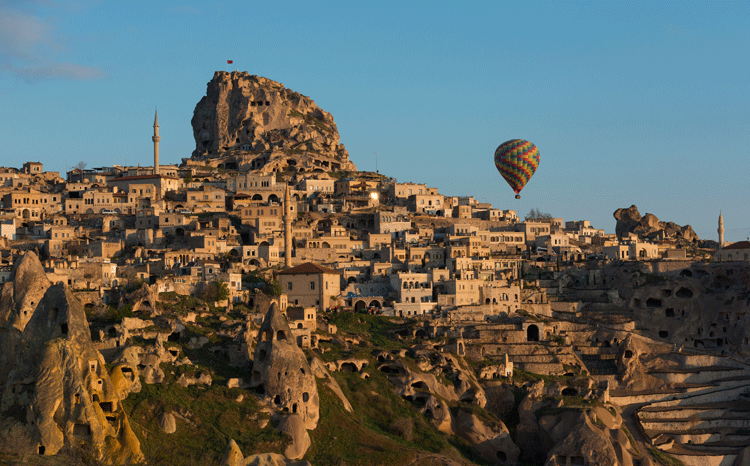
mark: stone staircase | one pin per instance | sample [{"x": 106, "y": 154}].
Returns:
[{"x": 707, "y": 420}]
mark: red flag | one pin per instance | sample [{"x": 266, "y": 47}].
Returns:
[{"x": 229, "y": 62}]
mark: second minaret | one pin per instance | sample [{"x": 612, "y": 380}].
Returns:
[{"x": 156, "y": 140}]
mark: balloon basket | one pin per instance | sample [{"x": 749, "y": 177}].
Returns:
[{"x": 518, "y": 196}]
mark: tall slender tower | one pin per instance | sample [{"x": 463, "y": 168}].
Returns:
[
  {"x": 287, "y": 228},
  {"x": 156, "y": 140},
  {"x": 721, "y": 230}
]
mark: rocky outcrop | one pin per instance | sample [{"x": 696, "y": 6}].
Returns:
[
  {"x": 19, "y": 299},
  {"x": 320, "y": 372},
  {"x": 233, "y": 457},
  {"x": 586, "y": 443},
  {"x": 281, "y": 371},
  {"x": 58, "y": 393},
  {"x": 649, "y": 227},
  {"x": 248, "y": 122},
  {"x": 294, "y": 426},
  {"x": 633, "y": 375},
  {"x": 493, "y": 443}
]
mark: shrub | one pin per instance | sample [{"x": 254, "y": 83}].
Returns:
[{"x": 404, "y": 428}]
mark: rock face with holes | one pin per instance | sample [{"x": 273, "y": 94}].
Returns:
[
  {"x": 281, "y": 371},
  {"x": 233, "y": 457},
  {"x": 58, "y": 393},
  {"x": 583, "y": 442},
  {"x": 20, "y": 297},
  {"x": 493, "y": 442},
  {"x": 248, "y": 122}
]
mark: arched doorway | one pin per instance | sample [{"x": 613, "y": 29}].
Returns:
[{"x": 532, "y": 333}]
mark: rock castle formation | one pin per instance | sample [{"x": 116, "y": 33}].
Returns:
[{"x": 247, "y": 122}]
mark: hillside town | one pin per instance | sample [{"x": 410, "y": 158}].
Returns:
[{"x": 265, "y": 261}]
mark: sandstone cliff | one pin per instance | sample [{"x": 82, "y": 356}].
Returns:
[
  {"x": 247, "y": 122},
  {"x": 20, "y": 297},
  {"x": 58, "y": 393}
]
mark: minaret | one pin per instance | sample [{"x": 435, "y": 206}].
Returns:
[
  {"x": 721, "y": 230},
  {"x": 287, "y": 228},
  {"x": 156, "y": 140}
]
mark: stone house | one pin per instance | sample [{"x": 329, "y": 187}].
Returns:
[
  {"x": 739, "y": 251},
  {"x": 310, "y": 285},
  {"x": 349, "y": 186},
  {"x": 432, "y": 204},
  {"x": 161, "y": 185},
  {"x": 501, "y": 295},
  {"x": 204, "y": 242},
  {"x": 206, "y": 199},
  {"x": 461, "y": 211},
  {"x": 631, "y": 250},
  {"x": 414, "y": 293},
  {"x": 503, "y": 241},
  {"x": 533, "y": 229},
  {"x": 459, "y": 292},
  {"x": 105, "y": 248},
  {"x": 250, "y": 214},
  {"x": 11, "y": 178},
  {"x": 248, "y": 181},
  {"x": 32, "y": 168},
  {"x": 84, "y": 199},
  {"x": 302, "y": 317},
  {"x": 400, "y": 192},
  {"x": 174, "y": 223},
  {"x": 99, "y": 271},
  {"x": 309, "y": 186},
  {"x": 465, "y": 246},
  {"x": 55, "y": 248},
  {"x": 552, "y": 242},
  {"x": 391, "y": 222},
  {"x": 429, "y": 256},
  {"x": 31, "y": 204},
  {"x": 8, "y": 228}
]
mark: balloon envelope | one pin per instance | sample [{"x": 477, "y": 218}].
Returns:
[{"x": 517, "y": 160}]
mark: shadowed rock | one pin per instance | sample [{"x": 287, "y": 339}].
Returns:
[{"x": 58, "y": 393}]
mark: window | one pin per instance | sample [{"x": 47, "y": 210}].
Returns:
[
  {"x": 289, "y": 286},
  {"x": 312, "y": 285}
]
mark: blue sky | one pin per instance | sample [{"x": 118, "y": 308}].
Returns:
[{"x": 644, "y": 103}]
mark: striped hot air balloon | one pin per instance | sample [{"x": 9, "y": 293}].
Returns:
[{"x": 517, "y": 160}]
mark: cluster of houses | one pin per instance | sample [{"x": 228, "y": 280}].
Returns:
[{"x": 358, "y": 240}]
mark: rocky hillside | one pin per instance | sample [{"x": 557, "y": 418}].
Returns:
[
  {"x": 649, "y": 227},
  {"x": 248, "y": 122}
]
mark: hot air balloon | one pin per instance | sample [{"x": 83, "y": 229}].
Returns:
[{"x": 517, "y": 161}]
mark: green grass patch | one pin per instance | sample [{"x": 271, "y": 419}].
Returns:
[
  {"x": 665, "y": 458},
  {"x": 206, "y": 419},
  {"x": 630, "y": 437},
  {"x": 378, "y": 330},
  {"x": 383, "y": 429}
]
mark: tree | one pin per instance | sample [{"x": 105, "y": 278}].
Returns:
[
  {"x": 188, "y": 178},
  {"x": 80, "y": 166},
  {"x": 273, "y": 288},
  {"x": 216, "y": 291},
  {"x": 536, "y": 215}
]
